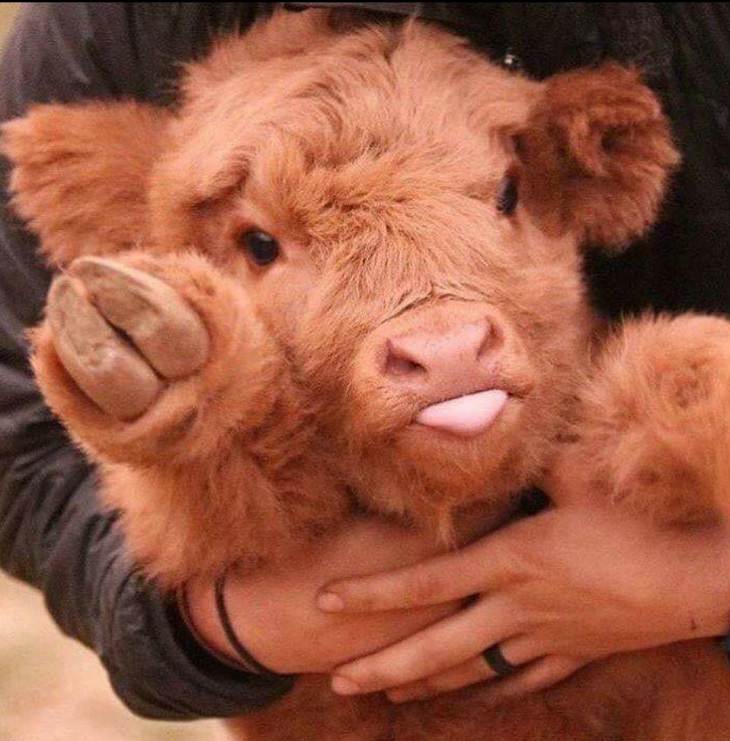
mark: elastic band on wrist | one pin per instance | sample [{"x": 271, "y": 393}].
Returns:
[
  {"x": 248, "y": 665},
  {"x": 244, "y": 656}
]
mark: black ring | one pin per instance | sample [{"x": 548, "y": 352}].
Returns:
[{"x": 496, "y": 661}]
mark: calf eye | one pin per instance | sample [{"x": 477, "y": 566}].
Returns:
[
  {"x": 507, "y": 196},
  {"x": 261, "y": 247}
]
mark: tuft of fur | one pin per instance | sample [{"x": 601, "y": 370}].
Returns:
[
  {"x": 81, "y": 183},
  {"x": 598, "y": 154},
  {"x": 653, "y": 432}
]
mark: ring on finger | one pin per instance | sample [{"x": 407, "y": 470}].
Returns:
[{"x": 496, "y": 661}]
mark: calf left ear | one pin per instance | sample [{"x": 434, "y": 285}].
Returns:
[
  {"x": 80, "y": 174},
  {"x": 596, "y": 156}
]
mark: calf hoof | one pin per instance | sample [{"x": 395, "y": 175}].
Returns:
[{"x": 121, "y": 334}]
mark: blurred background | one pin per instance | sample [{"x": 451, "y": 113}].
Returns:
[{"x": 51, "y": 688}]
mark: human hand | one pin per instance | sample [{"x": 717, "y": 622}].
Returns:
[
  {"x": 555, "y": 592},
  {"x": 274, "y": 614}
]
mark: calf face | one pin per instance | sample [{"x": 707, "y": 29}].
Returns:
[{"x": 406, "y": 217}]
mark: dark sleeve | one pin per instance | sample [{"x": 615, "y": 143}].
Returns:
[{"x": 54, "y": 533}]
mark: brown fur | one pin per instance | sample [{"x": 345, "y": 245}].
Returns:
[{"x": 375, "y": 157}]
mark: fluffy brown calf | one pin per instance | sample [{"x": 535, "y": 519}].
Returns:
[{"x": 346, "y": 272}]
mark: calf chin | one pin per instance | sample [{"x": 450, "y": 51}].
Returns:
[{"x": 446, "y": 408}]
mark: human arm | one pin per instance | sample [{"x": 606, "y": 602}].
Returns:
[
  {"x": 54, "y": 533},
  {"x": 302, "y": 638}
]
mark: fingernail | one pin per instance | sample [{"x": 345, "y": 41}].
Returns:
[
  {"x": 330, "y": 602},
  {"x": 344, "y": 686}
]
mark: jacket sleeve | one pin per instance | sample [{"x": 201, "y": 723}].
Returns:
[{"x": 54, "y": 533}]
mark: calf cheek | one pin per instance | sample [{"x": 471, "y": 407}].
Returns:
[
  {"x": 281, "y": 297},
  {"x": 324, "y": 352}
]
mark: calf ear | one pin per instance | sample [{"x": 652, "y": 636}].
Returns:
[
  {"x": 79, "y": 174},
  {"x": 597, "y": 154}
]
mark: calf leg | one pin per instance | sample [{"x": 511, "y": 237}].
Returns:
[
  {"x": 654, "y": 430},
  {"x": 143, "y": 357},
  {"x": 161, "y": 370}
]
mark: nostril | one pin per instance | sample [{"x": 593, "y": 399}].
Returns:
[
  {"x": 399, "y": 363},
  {"x": 488, "y": 337},
  {"x": 402, "y": 367}
]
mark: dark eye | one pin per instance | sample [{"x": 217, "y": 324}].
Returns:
[
  {"x": 262, "y": 247},
  {"x": 507, "y": 196}
]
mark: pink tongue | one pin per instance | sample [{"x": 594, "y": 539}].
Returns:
[{"x": 466, "y": 415}]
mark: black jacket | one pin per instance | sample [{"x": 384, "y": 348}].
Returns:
[{"x": 53, "y": 532}]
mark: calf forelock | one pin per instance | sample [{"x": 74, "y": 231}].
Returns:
[{"x": 413, "y": 96}]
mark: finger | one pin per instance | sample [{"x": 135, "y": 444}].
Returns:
[
  {"x": 105, "y": 367},
  {"x": 539, "y": 675},
  {"x": 445, "y": 578},
  {"x": 433, "y": 650},
  {"x": 163, "y": 327},
  {"x": 517, "y": 651}
]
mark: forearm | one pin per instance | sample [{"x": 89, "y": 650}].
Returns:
[
  {"x": 303, "y": 638},
  {"x": 54, "y": 534}
]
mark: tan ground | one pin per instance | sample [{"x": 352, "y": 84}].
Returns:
[
  {"x": 53, "y": 689},
  {"x": 7, "y": 13}
]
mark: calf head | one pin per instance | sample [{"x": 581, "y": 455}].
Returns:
[{"x": 408, "y": 218}]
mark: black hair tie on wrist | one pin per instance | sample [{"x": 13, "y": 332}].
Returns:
[{"x": 248, "y": 661}]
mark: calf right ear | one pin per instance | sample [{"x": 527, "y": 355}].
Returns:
[
  {"x": 597, "y": 154},
  {"x": 80, "y": 174}
]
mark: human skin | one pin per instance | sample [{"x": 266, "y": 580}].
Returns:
[
  {"x": 557, "y": 591},
  {"x": 274, "y": 611},
  {"x": 553, "y": 592}
]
